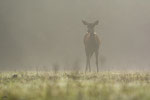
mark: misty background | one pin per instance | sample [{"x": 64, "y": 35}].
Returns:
[{"x": 47, "y": 32}]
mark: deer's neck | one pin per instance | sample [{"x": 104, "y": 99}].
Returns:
[{"x": 92, "y": 33}]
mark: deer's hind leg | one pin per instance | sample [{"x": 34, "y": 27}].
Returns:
[
  {"x": 87, "y": 63},
  {"x": 87, "y": 60},
  {"x": 96, "y": 56}
]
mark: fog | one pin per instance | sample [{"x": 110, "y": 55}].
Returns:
[{"x": 42, "y": 33}]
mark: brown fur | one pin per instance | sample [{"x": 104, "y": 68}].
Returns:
[{"x": 92, "y": 43}]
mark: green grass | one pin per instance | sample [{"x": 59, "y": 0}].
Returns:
[{"x": 75, "y": 86}]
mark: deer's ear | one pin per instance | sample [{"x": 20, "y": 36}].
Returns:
[
  {"x": 96, "y": 22},
  {"x": 84, "y": 22}
]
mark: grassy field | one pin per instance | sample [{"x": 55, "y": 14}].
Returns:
[{"x": 74, "y": 86}]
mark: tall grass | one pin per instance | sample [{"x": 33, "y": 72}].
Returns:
[{"x": 74, "y": 86}]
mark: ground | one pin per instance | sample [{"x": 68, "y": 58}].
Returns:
[{"x": 74, "y": 86}]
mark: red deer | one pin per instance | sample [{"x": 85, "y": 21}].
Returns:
[{"x": 92, "y": 43}]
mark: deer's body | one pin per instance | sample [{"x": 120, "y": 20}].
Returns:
[{"x": 92, "y": 43}]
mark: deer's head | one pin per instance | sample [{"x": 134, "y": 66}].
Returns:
[{"x": 90, "y": 26}]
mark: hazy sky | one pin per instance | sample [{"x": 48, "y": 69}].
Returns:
[{"x": 44, "y": 32}]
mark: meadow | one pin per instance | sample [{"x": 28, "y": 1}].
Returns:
[{"x": 74, "y": 86}]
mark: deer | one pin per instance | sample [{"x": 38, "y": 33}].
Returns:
[{"x": 91, "y": 43}]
